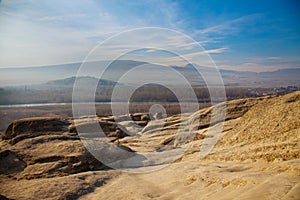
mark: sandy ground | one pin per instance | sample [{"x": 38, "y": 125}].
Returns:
[
  {"x": 257, "y": 156},
  {"x": 194, "y": 179}
]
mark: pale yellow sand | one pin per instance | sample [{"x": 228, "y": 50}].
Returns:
[{"x": 256, "y": 157}]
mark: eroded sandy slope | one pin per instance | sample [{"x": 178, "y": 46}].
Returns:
[{"x": 256, "y": 157}]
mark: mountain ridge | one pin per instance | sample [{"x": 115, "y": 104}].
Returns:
[
  {"x": 85, "y": 80},
  {"x": 43, "y": 74}
]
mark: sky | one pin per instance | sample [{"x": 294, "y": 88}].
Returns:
[{"x": 239, "y": 35}]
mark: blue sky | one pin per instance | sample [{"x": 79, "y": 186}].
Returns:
[{"x": 240, "y": 35}]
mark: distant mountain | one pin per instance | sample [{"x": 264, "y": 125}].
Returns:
[
  {"x": 85, "y": 80},
  {"x": 282, "y": 77},
  {"x": 284, "y": 72},
  {"x": 58, "y": 75},
  {"x": 68, "y": 83},
  {"x": 41, "y": 74}
]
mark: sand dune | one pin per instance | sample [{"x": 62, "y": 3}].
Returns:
[{"x": 256, "y": 157}]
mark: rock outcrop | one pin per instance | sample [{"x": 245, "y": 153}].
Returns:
[
  {"x": 47, "y": 158},
  {"x": 32, "y": 127}
]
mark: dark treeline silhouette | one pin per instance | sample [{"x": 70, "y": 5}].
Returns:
[{"x": 146, "y": 93}]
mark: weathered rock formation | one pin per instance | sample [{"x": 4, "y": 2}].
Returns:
[{"x": 47, "y": 158}]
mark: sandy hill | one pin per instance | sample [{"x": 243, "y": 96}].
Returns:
[{"x": 256, "y": 157}]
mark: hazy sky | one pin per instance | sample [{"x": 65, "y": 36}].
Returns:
[{"x": 242, "y": 35}]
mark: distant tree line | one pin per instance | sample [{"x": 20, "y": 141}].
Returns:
[{"x": 142, "y": 94}]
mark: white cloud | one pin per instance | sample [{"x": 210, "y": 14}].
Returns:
[
  {"x": 52, "y": 32},
  {"x": 273, "y": 58},
  {"x": 229, "y": 27}
]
